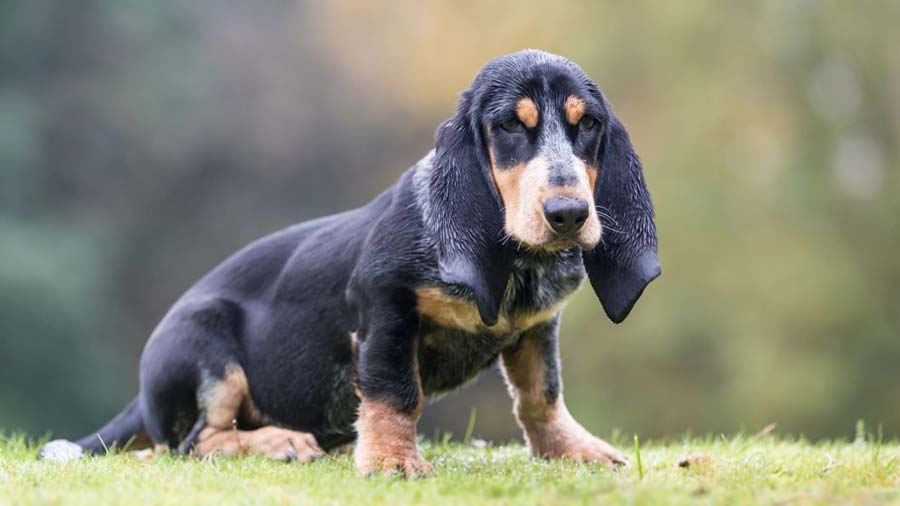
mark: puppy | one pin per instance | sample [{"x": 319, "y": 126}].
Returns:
[{"x": 338, "y": 329}]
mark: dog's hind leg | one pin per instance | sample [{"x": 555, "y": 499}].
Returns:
[
  {"x": 196, "y": 392},
  {"x": 226, "y": 400}
]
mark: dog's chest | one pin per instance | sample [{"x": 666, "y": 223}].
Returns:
[
  {"x": 441, "y": 311},
  {"x": 454, "y": 344}
]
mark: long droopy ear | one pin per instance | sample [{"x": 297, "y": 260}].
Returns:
[
  {"x": 625, "y": 261},
  {"x": 465, "y": 213}
]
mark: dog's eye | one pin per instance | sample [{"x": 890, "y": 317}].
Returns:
[
  {"x": 511, "y": 125},
  {"x": 587, "y": 123}
]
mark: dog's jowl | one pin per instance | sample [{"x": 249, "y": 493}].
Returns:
[{"x": 339, "y": 329}]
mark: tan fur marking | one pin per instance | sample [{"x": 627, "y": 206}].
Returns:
[
  {"x": 589, "y": 235},
  {"x": 225, "y": 399},
  {"x": 592, "y": 178},
  {"x": 270, "y": 442},
  {"x": 451, "y": 312},
  {"x": 386, "y": 436},
  {"x": 508, "y": 183},
  {"x": 447, "y": 311},
  {"x": 386, "y": 441},
  {"x": 549, "y": 429},
  {"x": 525, "y": 216},
  {"x": 525, "y": 321},
  {"x": 141, "y": 441},
  {"x": 229, "y": 399},
  {"x": 574, "y": 109},
  {"x": 524, "y": 372},
  {"x": 560, "y": 436},
  {"x": 525, "y": 187},
  {"x": 527, "y": 112}
]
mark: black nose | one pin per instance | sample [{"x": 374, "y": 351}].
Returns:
[{"x": 566, "y": 214}]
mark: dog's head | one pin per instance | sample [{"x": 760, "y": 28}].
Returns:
[{"x": 534, "y": 158}]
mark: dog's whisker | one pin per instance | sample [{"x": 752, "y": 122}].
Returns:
[
  {"x": 606, "y": 213},
  {"x": 612, "y": 229}
]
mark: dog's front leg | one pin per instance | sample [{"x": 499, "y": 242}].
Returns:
[
  {"x": 391, "y": 391},
  {"x": 532, "y": 372}
]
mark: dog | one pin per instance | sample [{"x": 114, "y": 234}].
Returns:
[{"x": 338, "y": 329}]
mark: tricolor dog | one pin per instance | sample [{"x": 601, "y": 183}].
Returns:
[{"x": 338, "y": 329}]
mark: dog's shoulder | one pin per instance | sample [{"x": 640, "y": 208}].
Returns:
[{"x": 398, "y": 248}]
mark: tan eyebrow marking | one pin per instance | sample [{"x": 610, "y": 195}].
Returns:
[
  {"x": 527, "y": 112},
  {"x": 574, "y": 109}
]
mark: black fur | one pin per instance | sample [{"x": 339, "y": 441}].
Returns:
[
  {"x": 625, "y": 261},
  {"x": 284, "y": 307}
]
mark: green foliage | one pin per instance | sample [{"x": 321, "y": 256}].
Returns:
[{"x": 637, "y": 457}]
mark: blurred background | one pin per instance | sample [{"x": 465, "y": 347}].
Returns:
[{"x": 143, "y": 142}]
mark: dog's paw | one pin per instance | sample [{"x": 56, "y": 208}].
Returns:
[
  {"x": 286, "y": 445},
  {"x": 591, "y": 449},
  {"x": 409, "y": 464},
  {"x": 271, "y": 442},
  {"x": 60, "y": 450}
]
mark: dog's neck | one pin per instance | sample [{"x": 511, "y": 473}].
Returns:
[{"x": 527, "y": 259}]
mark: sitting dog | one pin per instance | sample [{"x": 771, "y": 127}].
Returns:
[{"x": 339, "y": 328}]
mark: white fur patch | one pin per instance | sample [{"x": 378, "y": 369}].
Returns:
[{"x": 60, "y": 450}]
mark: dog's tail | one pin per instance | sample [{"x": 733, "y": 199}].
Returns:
[{"x": 125, "y": 426}]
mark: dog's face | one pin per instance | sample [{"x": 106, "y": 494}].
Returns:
[
  {"x": 543, "y": 139},
  {"x": 533, "y": 153}
]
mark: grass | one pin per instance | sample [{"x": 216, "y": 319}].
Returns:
[{"x": 739, "y": 470}]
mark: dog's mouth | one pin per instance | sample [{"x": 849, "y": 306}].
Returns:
[
  {"x": 556, "y": 243},
  {"x": 564, "y": 244},
  {"x": 586, "y": 237},
  {"x": 560, "y": 245}
]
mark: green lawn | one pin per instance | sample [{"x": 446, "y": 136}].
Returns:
[{"x": 740, "y": 470}]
